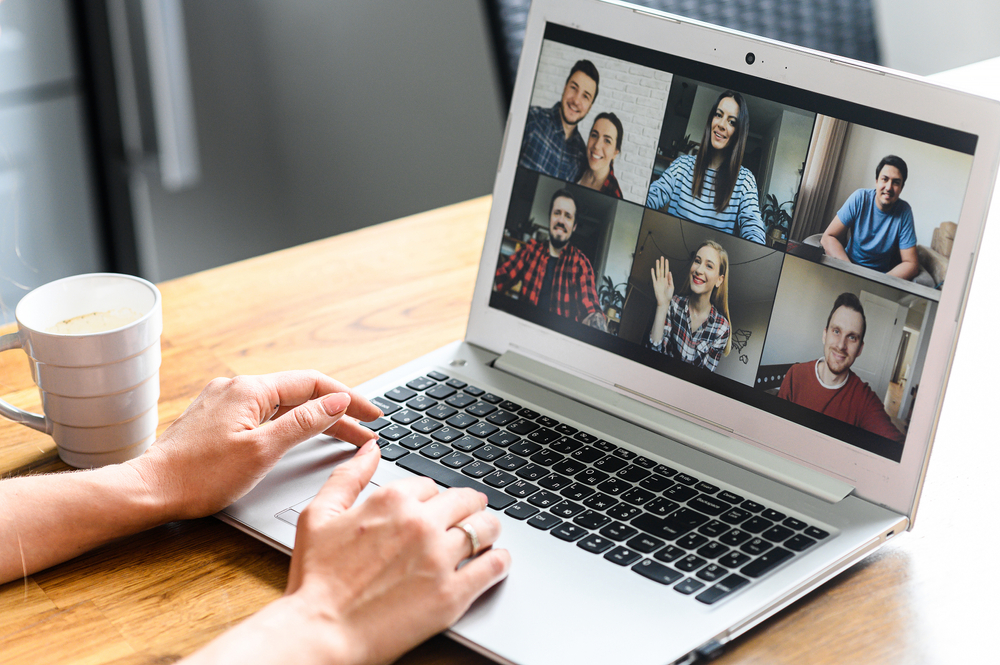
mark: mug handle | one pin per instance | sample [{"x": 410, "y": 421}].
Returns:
[{"x": 32, "y": 420}]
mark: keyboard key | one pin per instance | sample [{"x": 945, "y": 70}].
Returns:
[
  {"x": 543, "y": 436},
  {"x": 435, "y": 450},
  {"x": 689, "y": 586},
  {"x": 752, "y": 506},
  {"x": 709, "y": 504},
  {"x": 393, "y": 432},
  {"x": 625, "y": 454},
  {"x": 454, "y": 383},
  {"x": 414, "y": 441},
  {"x": 655, "y": 483},
  {"x": 546, "y": 457},
  {"x": 510, "y": 406},
  {"x": 729, "y": 585},
  {"x": 690, "y": 541},
  {"x": 680, "y": 493},
  {"x": 588, "y": 455},
  {"x": 509, "y": 462},
  {"x": 467, "y": 443},
  {"x": 461, "y": 421},
  {"x": 441, "y": 392},
  {"x": 756, "y": 546},
  {"x": 736, "y": 516},
  {"x": 585, "y": 437},
  {"x": 426, "y": 425},
  {"x": 524, "y": 448},
  {"x": 595, "y": 544},
  {"x": 421, "y": 403},
  {"x": 532, "y": 472},
  {"x": 766, "y": 562},
  {"x": 406, "y": 416},
  {"x": 793, "y": 523},
  {"x": 711, "y": 572},
  {"x": 661, "y": 507},
  {"x": 590, "y": 519},
  {"x": 489, "y": 453},
  {"x": 777, "y": 533},
  {"x": 670, "y": 553},
  {"x": 638, "y": 496},
  {"x": 503, "y": 439},
  {"x": 713, "y": 529},
  {"x": 660, "y": 527},
  {"x": 618, "y": 531},
  {"x": 706, "y": 488},
  {"x": 456, "y": 460},
  {"x": 610, "y": 464},
  {"x": 545, "y": 421},
  {"x": 400, "y": 394},
  {"x": 499, "y": 479},
  {"x": 773, "y": 515},
  {"x": 799, "y": 543},
  {"x": 734, "y": 538},
  {"x": 729, "y": 497},
  {"x": 438, "y": 376},
  {"x": 568, "y": 466},
  {"x": 689, "y": 563},
  {"x": 591, "y": 477},
  {"x": 521, "y": 426},
  {"x": 756, "y": 525},
  {"x": 565, "y": 445},
  {"x": 644, "y": 543},
  {"x": 477, "y": 469},
  {"x": 386, "y": 406},
  {"x": 622, "y": 556},
  {"x": 733, "y": 559},
  {"x": 479, "y": 392},
  {"x": 481, "y": 409},
  {"x": 554, "y": 482},
  {"x": 450, "y": 478},
  {"x": 392, "y": 452},
  {"x": 420, "y": 384},
  {"x": 460, "y": 401},
  {"x": 566, "y": 509},
  {"x": 577, "y": 491},
  {"x": 377, "y": 424},
  {"x": 665, "y": 470},
  {"x": 447, "y": 434},
  {"x": 544, "y": 499},
  {"x": 685, "y": 479},
  {"x": 624, "y": 512},
  {"x": 500, "y": 418},
  {"x": 521, "y": 489},
  {"x": 605, "y": 446},
  {"x": 657, "y": 572},
  {"x": 632, "y": 473},
  {"x": 614, "y": 486},
  {"x": 544, "y": 521},
  {"x": 440, "y": 412},
  {"x": 600, "y": 501},
  {"x": 712, "y": 550},
  {"x": 521, "y": 511},
  {"x": 481, "y": 430},
  {"x": 813, "y": 532},
  {"x": 644, "y": 462}
]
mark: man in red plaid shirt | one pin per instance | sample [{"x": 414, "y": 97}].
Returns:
[{"x": 553, "y": 274}]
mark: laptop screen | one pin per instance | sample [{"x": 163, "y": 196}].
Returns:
[{"x": 777, "y": 246}]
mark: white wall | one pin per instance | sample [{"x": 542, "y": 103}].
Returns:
[
  {"x": 928, "y": 36},
  {"x": 935, "y": 186},
  {"x": 624, "y": 233},
  {"x": 789, "y": 154},
  {"x": 637, "y": 95}
]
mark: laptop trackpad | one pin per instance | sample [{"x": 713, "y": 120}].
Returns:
[{"x": 381, "y": 477}]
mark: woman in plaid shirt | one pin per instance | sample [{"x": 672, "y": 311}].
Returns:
[{"x": 694, "y": 327}]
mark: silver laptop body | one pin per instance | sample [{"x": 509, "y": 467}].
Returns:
[{"x": 823, "y": 125}]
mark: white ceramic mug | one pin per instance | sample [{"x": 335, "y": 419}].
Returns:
[{"x": 93, "y": 345}]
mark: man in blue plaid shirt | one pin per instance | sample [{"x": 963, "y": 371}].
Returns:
[{"x": 552, "y": 143}]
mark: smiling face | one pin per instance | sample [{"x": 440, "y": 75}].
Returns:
[
  {"x": 705, "y": 274},
  {"x": 577, "y": 98},
  {"x": 888, "y": 186},
  {"x": 843, "y": 340},
  {"x": 602, "y": 145},
  {"x": 562, "y": 221},
  {"x": 724, "y": 122}
]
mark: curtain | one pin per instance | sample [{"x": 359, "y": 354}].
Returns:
[{"x": 818, "y": 177}]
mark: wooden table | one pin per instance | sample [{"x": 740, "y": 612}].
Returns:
[{"x": 358, "y": 304}]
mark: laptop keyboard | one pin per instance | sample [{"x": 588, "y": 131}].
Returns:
[{"x": 666, "y": 525}]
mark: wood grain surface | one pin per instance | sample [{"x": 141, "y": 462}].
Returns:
[{"x": 359, "y": 304}]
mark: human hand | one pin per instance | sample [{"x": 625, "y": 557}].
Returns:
[
  {"x": 385, "y": 573},
  {"x": 237, "y": 430},
  {"x": 663, "y": 282}
]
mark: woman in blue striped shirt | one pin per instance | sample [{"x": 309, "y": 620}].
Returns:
[{"x": 714, "y": 188}]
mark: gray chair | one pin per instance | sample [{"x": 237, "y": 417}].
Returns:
[{"x": 844, "y": 27}]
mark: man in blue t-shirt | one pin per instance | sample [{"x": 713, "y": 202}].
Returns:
[{"x": 880, "y": 224}]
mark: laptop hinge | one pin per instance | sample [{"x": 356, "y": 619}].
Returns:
[{"x": 634, "y": 409}]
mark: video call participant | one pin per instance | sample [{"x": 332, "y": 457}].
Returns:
[
  {"x": 555, "y": 275},
  {"x": 603, "y": 147},
  {"x": 714, "y": 188},
  {"x": 694, "y": 327},
  {"x": 828, "y": 385},
  {"x": 882, "y": 236},
  {"x": 552, "y": 143}
]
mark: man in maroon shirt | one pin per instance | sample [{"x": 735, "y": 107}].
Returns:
[
  {"x": 554, "y": 274},
  {"x": 829, "y": 386}
]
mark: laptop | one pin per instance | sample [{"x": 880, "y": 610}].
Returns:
[{"x": 716, "y": 310}]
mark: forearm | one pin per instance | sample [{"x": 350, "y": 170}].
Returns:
[
  {"x": 47, "y": 519},
  {"x": 833, "y": 247},
  {"x": 905, "y": 270},
  {"x": 659, "y": 321}
]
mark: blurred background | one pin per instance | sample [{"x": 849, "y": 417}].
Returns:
[{"x": 164, "y": 137}]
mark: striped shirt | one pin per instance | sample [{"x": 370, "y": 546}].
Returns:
[
  {"x": 702, "y": 347},
  {"x": 672, "y": 194},
  {"x": 573, "y": 293},
  {"x": 547, "y": 150}
]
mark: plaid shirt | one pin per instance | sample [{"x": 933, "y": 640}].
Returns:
[
  {"x": 610, "y": 185},
  {"x": 546, "y": 149},
  {"x": 573, "y": 292},
  {"x": 702, "y": 347}
]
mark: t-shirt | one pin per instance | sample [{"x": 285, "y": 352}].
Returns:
[
  {"x": 853, "y": 401},
  {"x": 876, "y": 236}
]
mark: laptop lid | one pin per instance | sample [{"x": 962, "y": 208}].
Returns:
[{"x": 779, "y": 359}]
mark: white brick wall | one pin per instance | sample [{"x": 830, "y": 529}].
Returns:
[{"x": 637, "y": 95}]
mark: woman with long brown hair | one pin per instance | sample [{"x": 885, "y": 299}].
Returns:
[
  {"x": 713, "y": 187},
  {"x": 694, "y": 326}
]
